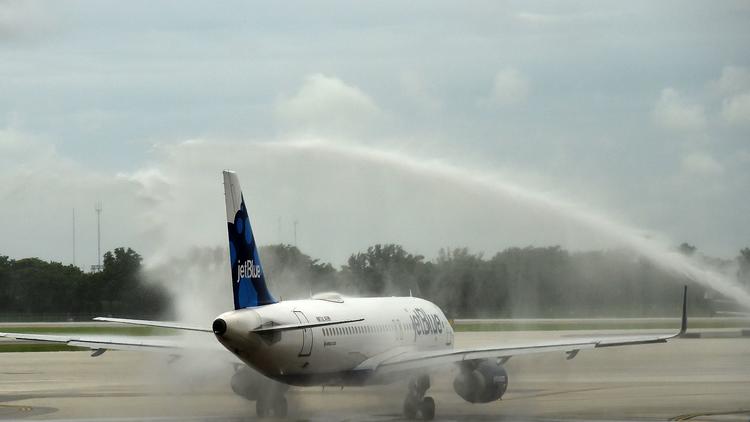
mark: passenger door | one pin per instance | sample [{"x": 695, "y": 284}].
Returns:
[{"x": 307, "y": 335}]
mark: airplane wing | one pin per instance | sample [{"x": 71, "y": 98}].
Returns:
[
  {"x": 160, "y": 324},
  {"x": 411, "y": 360},
  {"x": 170, "y": 345},
  {"x": 263, "y": 329},
  {"x": 102, "y": 343}
]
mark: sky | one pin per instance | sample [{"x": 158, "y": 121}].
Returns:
[{"x": 373, "y": 122}]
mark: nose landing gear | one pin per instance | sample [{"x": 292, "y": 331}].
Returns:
[{"x": 416, "y": 404}]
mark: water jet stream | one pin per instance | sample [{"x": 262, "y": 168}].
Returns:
[{"x": 631, "y": 238}]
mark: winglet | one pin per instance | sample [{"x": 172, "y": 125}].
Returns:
[{"x": 683, "y": 326}]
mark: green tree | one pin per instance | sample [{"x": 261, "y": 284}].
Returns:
[
  {"x": 294, "y": 273},
  {"x": 384, "y": 268}
]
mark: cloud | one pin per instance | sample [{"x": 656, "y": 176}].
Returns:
[
  {"x": 700, "y": 163},
  {"x": 327, "y": 105},
  {"x": 39, "y": 188},
  {"x": 23, "y": 20},
  {"x": 733, "y": 79},
  {"x": 673, "y": 111},
  {"x": 510, "y": 87},
  {"x": 736, "y": 110}
]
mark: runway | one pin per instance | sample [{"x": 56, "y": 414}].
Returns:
[{"x": 687, "y": 379}]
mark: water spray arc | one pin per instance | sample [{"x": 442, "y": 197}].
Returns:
[{"x": 629, "y": 237}]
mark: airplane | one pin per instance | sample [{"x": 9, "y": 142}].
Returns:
[{"x": 333, "y": 340}]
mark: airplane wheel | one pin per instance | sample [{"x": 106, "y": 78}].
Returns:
[
  {"x": 261, "y": 408},
  {"x": 427, "y": 408},
  {"x": 280, "y": 407},
  {"x": 410, "y": 407}
]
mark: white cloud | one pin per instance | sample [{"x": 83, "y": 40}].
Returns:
[
  {"x": 733, "y": 79},
  {"x": 39, "y": 188},
  {"x": 673, "y": 111},
  {"x": 510, "y": 87},
  {"x": 327, "y": 105},
  {"x": 23, "y": 20},
  {"x": 701, "y": 164},
  {"x": 736, "y": 110},
  {"x": 20, "y": 150}
]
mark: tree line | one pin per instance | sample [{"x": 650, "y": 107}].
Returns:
[
  {"x": 33, "y": 289},
  {"x": 516, "y": 282}
]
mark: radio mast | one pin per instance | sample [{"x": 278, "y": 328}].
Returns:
[{"x": 98, "y": 209}]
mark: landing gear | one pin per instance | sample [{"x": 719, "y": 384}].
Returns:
[
  {"x": 271, "y": 404},
  {"x": 416, "y": 404}
]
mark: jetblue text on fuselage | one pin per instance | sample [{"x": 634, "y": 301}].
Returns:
[
  {"x": 248, "y": 270},
  {"x": 424, "y": 323}
]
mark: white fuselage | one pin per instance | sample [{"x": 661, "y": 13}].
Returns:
[{"x": 335, "y": 354}]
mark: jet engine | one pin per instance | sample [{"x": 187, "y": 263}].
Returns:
[
  {"x": 252, "y": 385},
  {"x": 248, "y": 383},
  {"x": 481, "y": 383}
]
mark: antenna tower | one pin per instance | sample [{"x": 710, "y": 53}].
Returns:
[
  {"x": 74, "y": 237},
  {"x": 98, "y": 209}
]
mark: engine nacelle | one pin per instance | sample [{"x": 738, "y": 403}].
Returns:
[
  {"x": 247, "y": 383},
  {"x": 253, "y": 385},
  {"x": 481, "y": 384}
]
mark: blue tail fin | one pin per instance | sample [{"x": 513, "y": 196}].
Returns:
[{"x": 248, "y": 281}]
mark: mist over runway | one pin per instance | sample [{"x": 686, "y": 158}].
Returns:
[{"x": 695, "y": 379}]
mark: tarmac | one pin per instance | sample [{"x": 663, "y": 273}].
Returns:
[{"x": 696, "y": 379}]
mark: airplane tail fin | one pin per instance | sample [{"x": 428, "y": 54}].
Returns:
[{"x": 248, "y": 282}]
